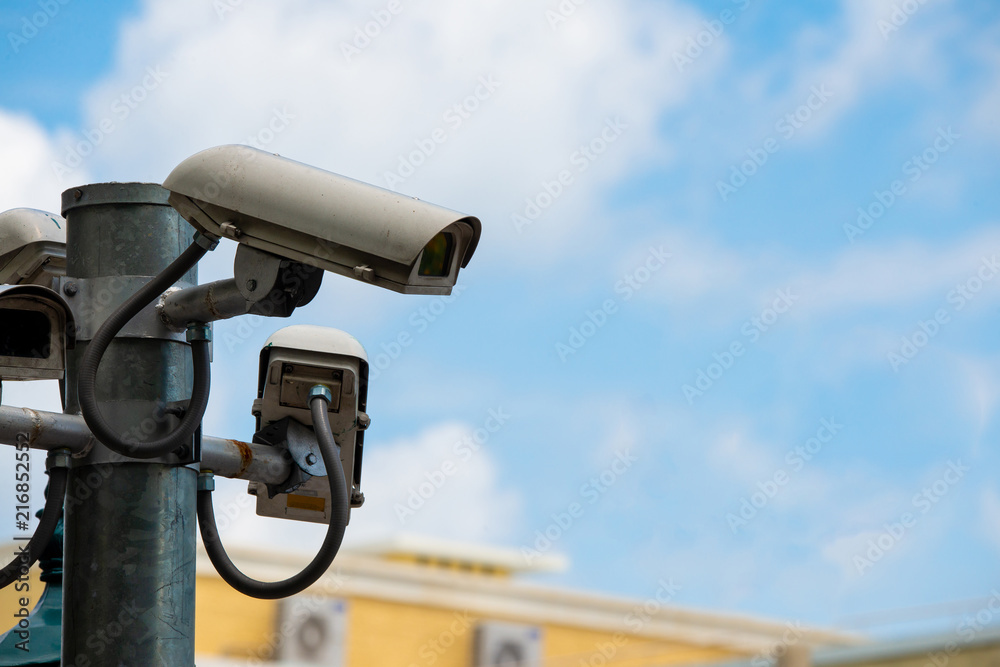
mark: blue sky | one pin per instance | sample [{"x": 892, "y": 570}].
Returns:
[{"x": 667, "y": 189}]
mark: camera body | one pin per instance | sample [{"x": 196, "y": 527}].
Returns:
[
  {"x": 312, "y": 216},
  {"x": 36, "y": 329},
  {"x": 294, "y": 360}
]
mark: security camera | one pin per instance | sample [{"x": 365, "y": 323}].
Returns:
[
  {"x": 36, "y": 329},
  {"x": 312, "y": 216},
  {"x": 32, "y": 247},
  {"x": 293, "y": 361}
]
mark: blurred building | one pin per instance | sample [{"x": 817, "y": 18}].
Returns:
[
  {"x": 973, "y": 643},
  {"x": 418, "y": 602}
]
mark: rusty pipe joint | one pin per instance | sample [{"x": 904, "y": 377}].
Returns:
[{"x": 220, "y": 300}]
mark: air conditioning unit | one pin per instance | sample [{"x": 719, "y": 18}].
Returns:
[
  {"x": 508, "y": 645},
  {"x": 313, "y": 632}
]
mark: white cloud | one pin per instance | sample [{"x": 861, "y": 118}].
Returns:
[
  {"x": 977, "y": 376},
  {"x": 26, "y": 175},
  {"x": 982, "y": 113},
  {"x": 863, "y": 57},
  {"x": 556, "y": 90},
  {"x": 747, "y": 462},
  {"x": 900, "y": 273},
  {"x": 413, "y": 474},
  {"x": 406, "y": 478},
  {"x": 848, "y": 552},
  {"x": 890, "y": 275}
]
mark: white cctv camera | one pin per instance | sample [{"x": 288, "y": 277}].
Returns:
[
  {"x": 293, "y": 361},
  {"x": 36, "y": 329},
  {"x": 32, "y": 247},
  {"x": 321, "y": 219}
]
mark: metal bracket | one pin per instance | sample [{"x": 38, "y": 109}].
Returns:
[
  {"x": 300, "y": 442},
  {"x": 170, "y": 417},
  {"x": 274, "y": 285},
  {"x": 92, "y": 301},
  {"x": 263, "y": 284}
]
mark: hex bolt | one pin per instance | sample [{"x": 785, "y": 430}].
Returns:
[
  {"x": 70, "y": 289},
  {"x": 310, "y": 459}
]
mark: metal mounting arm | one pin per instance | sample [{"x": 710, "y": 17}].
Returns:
[
  {"x": 224, "y": 457},
  {"x": 264, "y": 284}
]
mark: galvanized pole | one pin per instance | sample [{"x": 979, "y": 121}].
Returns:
[{"x": 129, "y": 525}]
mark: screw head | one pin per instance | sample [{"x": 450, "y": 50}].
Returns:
[
  {"x": 251, "y": 285},
  {"x": 70, "y": 289},
  {"x": 311, "y": 458}
]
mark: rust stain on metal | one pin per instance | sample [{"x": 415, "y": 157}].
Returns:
[
  {"x": 246, "y": 456},
  {"x": 211, "y": 305},
  {"x": 36, "y": 425}
]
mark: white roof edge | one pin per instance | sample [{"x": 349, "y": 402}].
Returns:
[
  {"x": 482, "y": 554},
  {"x": 357, "y": 574}
]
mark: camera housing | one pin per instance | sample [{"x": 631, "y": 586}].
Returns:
[
  {"x": 322, "y": 219},
  {"x": 36, "y": 329},
  {"x": 32, "y": 247},
  {"x": 294, "y": 360}
]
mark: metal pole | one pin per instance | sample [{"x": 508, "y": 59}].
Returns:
[{"x": 129, "y": 526}]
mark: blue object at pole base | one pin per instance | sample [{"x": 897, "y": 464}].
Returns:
[{"x": 42, "y": 645}]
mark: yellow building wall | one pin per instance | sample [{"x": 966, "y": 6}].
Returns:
[
  {"x": 385, "y": 633},
  {"x": 398, "y": 635},
  {"x": 10, "y": 598},
  {"x": 390, "y": 634},
  {"x": 570, "y": 647},
  {"x": 228, "y": 623}
]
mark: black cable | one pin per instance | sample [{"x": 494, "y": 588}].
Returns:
[
  {"x": 98, "y": 346},
  {"x": 340, "y": 506},
  {"x": 58, "y": 478}
]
